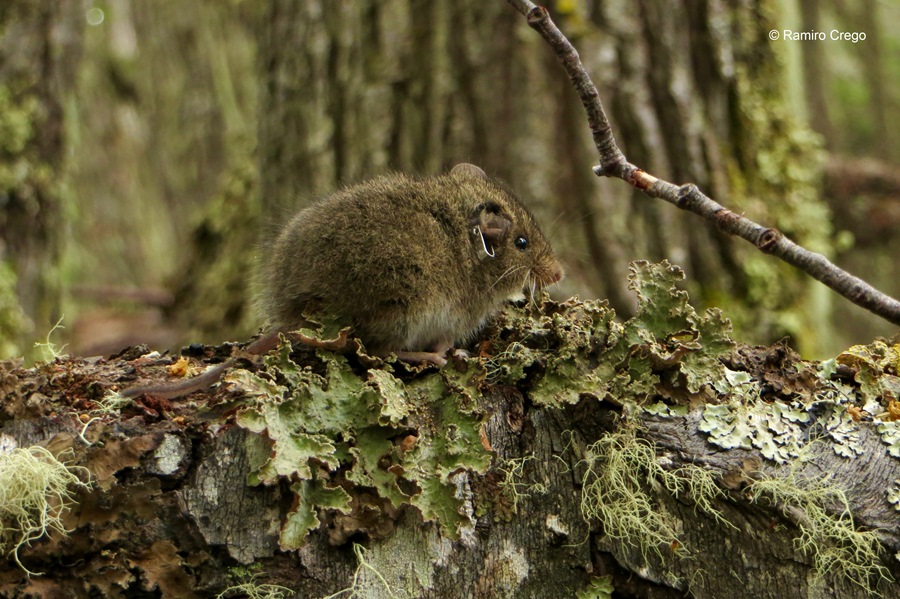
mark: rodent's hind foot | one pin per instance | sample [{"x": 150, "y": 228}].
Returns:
[{"x": 418, "y": 357}]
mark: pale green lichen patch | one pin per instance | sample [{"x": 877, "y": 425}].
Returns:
[
  {"x": 894, "y": 495},
  {"x": 875, "y": 368},
  {"x": 843, "y": 431},
  {"x": 332, "y": 428},
  {"x": 890, "y": 436},
  {"x": 780, "y": 430},
  {"x": 812, "y": 403},
  {"x": 600, "y": 587}
]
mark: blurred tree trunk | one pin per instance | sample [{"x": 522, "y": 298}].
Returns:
[
  {"x": 815, "y": 74},
  {"x": 695, "y": 94},
  {"x": 40, "y": 45},
  {"x": 868, "y": 17},
  {"x": 165, "y": 110},
  {"x": 861, "y": 174}
]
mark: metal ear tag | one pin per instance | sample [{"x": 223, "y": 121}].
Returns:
[{"x": 483, "y": 251}]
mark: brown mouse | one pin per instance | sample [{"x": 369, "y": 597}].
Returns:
[{"x": 412, "y": 265}]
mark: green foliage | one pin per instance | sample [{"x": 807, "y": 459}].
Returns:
[
  {"x": 211, "y": 285},
  {"x": 405, "y": 442},
  {"x": 34, "y": 493},
  {"x": 576, "y": 348},
  {"x": 19, "y": 174},
  {"x": 16, "y": 130}
]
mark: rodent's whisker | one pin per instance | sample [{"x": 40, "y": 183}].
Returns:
[
  {"x": 528, "y": 286},
  {"x": 506, "y": 273}
]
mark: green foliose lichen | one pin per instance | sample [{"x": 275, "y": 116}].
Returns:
[
  {"x": 338, "y": 423},
  {"x": 876, "y": 367},
  {"x": 600, "y": 587},
  {"x": 330, "y": 428},
  {"x": 576, "y": 348}
]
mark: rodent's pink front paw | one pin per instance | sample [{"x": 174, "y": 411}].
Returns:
[{"x": 417, "y": 357}]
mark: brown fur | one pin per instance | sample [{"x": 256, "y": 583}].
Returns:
[
  {"x": 412, "y": 265},
  {"x": 401, "y": 261}
]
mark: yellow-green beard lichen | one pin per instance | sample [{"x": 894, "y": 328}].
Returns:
[
  {"x": 619, "y": 469},
  {"x": 50, "y": 351},
  {"x": 247, "y": 586},
  {"x": 827, "y": 532},
  {"x": 355, "y": 589},
  {"x": 34, "y": 493},
  {"x": 511, "y": 486}
]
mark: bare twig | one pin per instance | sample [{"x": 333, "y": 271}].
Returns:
[{"x": 688, "y": 197}]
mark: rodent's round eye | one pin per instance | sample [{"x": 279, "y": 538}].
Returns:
[{"x": 521, "y": 243}]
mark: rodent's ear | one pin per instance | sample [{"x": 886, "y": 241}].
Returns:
[
  {"x": 464, "y": 169},
  {"x": 490, "y": 227}
]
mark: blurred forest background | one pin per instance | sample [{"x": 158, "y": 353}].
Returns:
[{"x": 150, "y": 149}]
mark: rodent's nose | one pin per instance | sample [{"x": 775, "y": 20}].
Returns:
[
  {"x": 550, "y": 273},
  {"x": 556, "y": 273}
]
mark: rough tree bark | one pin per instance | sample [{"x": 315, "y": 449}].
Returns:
[{"x": 488, "y": 478}]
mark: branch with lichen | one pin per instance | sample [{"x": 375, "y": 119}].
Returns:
[{"x": 689, "y": 197}]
